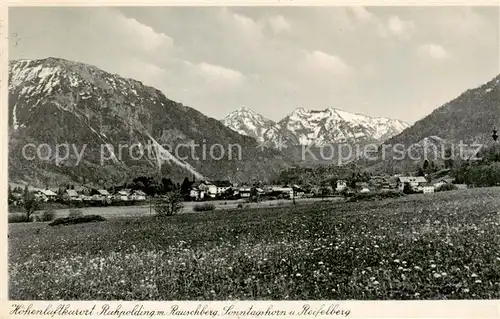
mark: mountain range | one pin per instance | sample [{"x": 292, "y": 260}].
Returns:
[
  {"x": 59, "y": 102},
  {"x": 313, "y": 127}
]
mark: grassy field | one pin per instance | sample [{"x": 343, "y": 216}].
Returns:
[
  {"x": 144, "y": 209},
  {"x": 436, "y": 246}
]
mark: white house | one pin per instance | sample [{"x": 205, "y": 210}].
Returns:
[
  {"x": 341, "y": 185},
  {"x": 222, "y": 186},
  {"x": 122, "y": 195},
  {"x": 196, "y": 194},
  {"x": 428, "y": 189},
  {"x": 138, "y": 195},
  {"x": 245, "y": 191},
  {"x": 414, "y": 181},
  {"x": 208, "y": 188}
]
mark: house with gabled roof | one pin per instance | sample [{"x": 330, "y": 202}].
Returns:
[
  {"x": 71, "y": 195},
  {"x": 138, "y": 195},
  {"x": 222, "y": 186}
]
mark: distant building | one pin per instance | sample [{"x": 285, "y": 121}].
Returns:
[
  {"x": 286, "y": 190},
  {"x": 138, "y": 195},
  {"x": 82, "y": 190},
  {"x": 122, "y": 195},
  {"x": 104, "y": 193},
  {"x": 414, "y": 182},
  {"x": 298, "y": 191},
  {"x": 51, "y": 195},
  {"x": 245, "y": 191},
  {"x": 428, "y": 189},
  {"x": 341, "y": 185},
  {"x": 222, "y": 186},
  {"x": 101, "y": 195},
  {"x": 40, "y": 195},
  {"x": 207, "y": 188},
  {"x": 71, "y": 195}
]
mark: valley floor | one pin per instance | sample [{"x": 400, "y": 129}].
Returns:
[{"x": 435, "y": 246}]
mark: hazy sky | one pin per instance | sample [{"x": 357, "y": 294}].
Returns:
[{"x": 399, "y": 62}]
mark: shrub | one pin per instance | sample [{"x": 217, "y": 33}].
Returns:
[
  {"x": 18, "y": 218},
  {"x": 407, "y": 189},
  {"x": 240, "y": 205},
  {"x": 169, "y": 205},
  {"x": 446, "y": 187},
  {"x": 74, "y": 212},
  {"x": 77, "y": 220},
  {"x": 204, "y": 207},
  {"x": 30, "y": 204},
  {"x": 48, "y": 215},
  {"x": 374, "y": 196}
]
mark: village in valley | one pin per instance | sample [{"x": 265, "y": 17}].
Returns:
[{"x": 192, "y": 190}]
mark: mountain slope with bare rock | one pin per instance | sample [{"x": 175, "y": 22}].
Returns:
[{"x": 56, "y": 102}]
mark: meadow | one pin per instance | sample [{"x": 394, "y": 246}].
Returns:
[{"x": 434, "y": 246}]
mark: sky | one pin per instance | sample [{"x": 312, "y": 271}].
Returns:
[{"x": 397, "y": 62}]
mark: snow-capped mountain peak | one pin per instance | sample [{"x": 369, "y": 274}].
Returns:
[
  {"x": 248, "y": 122},
  {"x": 315, "y": 127}
]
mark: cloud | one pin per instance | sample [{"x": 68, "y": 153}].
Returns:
[
  {"x": 243, "y": 25},
  {"x": 145, "y": 36},
  {"x": 361, "y": 13},
  {"x": 434, "y": 51},
  {"x": 399, "y": 27},
  {"x": 321, "y": 62},
  {"x": 219, "y": 73},
  {"x": 279, "y": 24}
]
